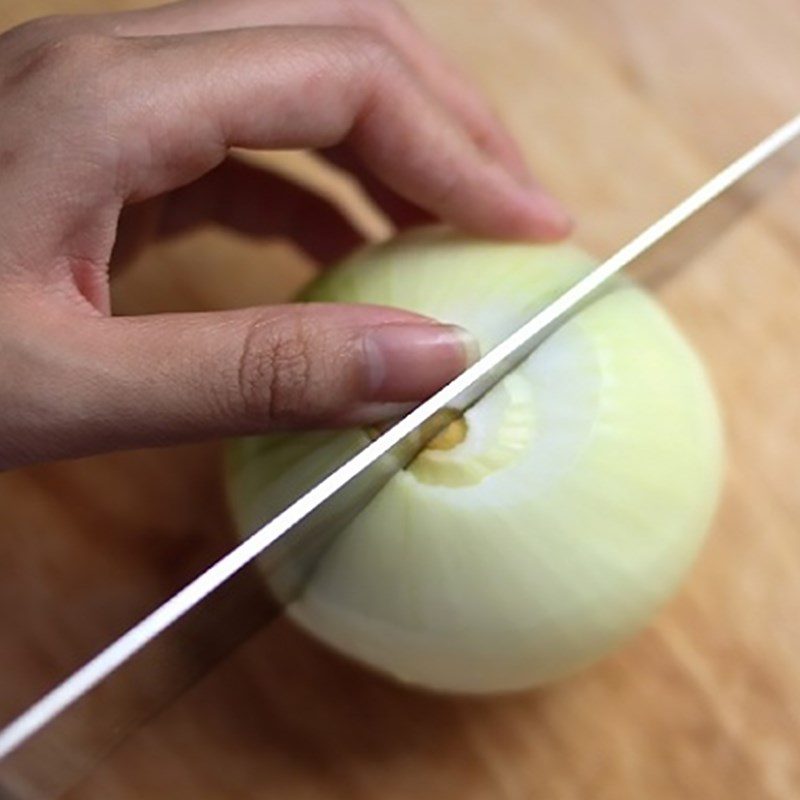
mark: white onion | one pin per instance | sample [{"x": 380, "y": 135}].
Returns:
[{"x": 569, "y": 513}]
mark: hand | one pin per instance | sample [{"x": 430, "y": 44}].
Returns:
[{"x": 102, "y": 113}]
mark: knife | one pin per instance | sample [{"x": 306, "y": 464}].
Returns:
[{"x": 53, "y": 744}]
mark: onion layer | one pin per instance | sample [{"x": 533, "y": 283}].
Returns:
[{"x": 550, "y": 524}]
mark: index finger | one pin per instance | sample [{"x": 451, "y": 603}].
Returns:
[
  {"x": 386, "y": 17},
  {"x": 293, "y": 88}
]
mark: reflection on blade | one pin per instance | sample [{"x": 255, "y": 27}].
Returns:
[{"x": 56, "y": 756}]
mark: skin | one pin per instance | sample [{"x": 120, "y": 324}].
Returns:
[{"x": 117, "y": 131}]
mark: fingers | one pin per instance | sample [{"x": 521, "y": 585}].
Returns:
[
  {"x": 397, "y": 49},
  {"x": 457, "y": 95},
  {"x": 258, "y": 96},
  {"x": 385, "y": 17},
  {"x": 110, "y": 131},
  {"x": 152, "y": 380}
]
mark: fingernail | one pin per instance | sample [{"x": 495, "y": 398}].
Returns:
[
  {"x": 407, "y": 362},
  {"x": 561, "y": 220},
  {"x": 549, "y": 218}
]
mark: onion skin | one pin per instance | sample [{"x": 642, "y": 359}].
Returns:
[{"x": 570, "y": 512}]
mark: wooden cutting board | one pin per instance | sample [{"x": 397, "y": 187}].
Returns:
[{"x": 623, "y": 106}]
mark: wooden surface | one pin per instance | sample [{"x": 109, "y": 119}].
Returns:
[{"x": 623, "y": 105}]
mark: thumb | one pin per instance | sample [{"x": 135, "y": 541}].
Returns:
[{"x": 179, "y": 377}]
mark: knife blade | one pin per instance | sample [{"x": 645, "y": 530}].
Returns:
[{"x": 52, "y": 744}]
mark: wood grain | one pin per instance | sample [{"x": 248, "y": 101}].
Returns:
[{"x": 622, "y": 105}]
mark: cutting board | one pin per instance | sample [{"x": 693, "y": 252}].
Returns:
[{"x": 622, "y": 106}]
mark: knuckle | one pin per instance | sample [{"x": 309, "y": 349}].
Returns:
[
  {"x": 58, "y": 53},
  {"x": 61, "y": 67},
  {"x": 77, "y": 51},
  {"x": 275, "y": 370},
  {"x": 67, "y": 71},
  {"x": 380, "y": 58}
]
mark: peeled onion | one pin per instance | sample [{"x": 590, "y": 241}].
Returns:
[{"x": 546, "y": 527}]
